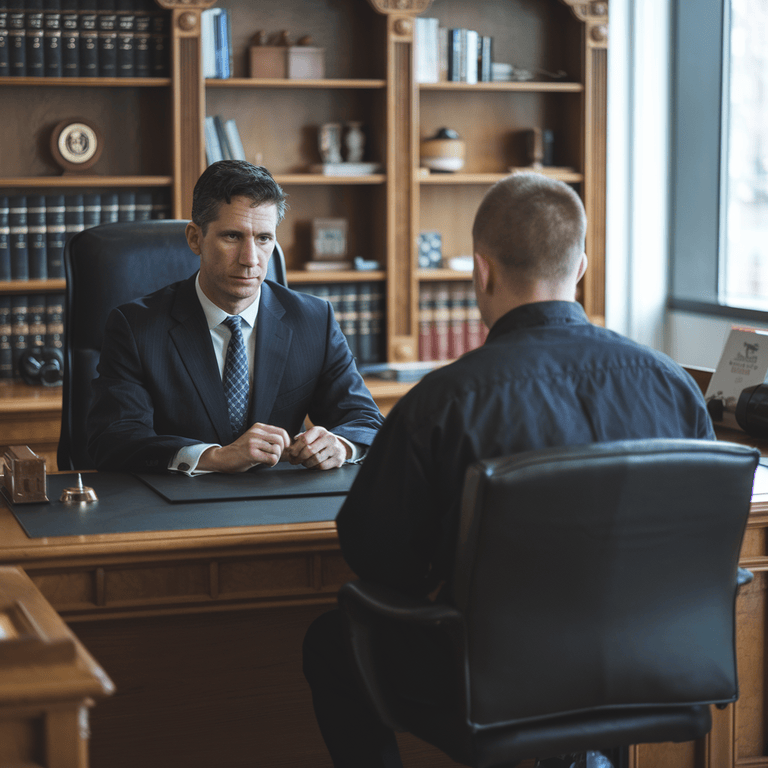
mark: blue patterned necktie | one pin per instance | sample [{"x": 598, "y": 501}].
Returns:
[{"x": 236, "y": 377}]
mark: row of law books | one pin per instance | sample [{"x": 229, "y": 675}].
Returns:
[
  {"x": 359, "y": 311},
  {"x": 456, "y": 55},
  {"x": 449, "y": 321},
  {"x": 26, "y": 321},
  {"x": 34, "y": 228},
  {"x": 222, "y": 140},
  {"x": 83, "y": 38},
  {"x": 216, "y": 43}
]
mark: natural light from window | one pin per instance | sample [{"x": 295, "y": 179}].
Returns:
[{"x": 744, "y": 244}]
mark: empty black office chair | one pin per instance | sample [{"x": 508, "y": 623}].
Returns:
[
  {"x": 593, "y": 603},
  {"x": 107, "y": 266}
]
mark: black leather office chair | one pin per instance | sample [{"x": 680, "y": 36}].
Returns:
[
  {"x": 593, "y": 603},
  {"x": 107, "y": 266}
]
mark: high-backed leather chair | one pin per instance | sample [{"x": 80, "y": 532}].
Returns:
[
  {"x": 593, "y": 603},
  {"x": 107, "y": 266}
]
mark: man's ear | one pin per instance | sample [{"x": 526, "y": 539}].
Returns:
[
  {"x": 483, "y": 272},
  {"x": 194, "y": 236},
  {"x": 582, "y": 267}
]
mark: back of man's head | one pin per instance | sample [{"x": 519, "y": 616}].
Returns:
[
  {"x": 225, "y": 179},
  {"x": 532, "y": 226}
]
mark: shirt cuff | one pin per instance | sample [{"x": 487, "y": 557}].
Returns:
[
  {"x": 188, "y": 457},
  {"x": 358, "y": 451}
]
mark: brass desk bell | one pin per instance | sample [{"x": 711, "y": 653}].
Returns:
[{"x": 82, "y": 493}]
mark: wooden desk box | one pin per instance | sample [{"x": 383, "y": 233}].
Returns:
[{"x": 295, "y": 62}]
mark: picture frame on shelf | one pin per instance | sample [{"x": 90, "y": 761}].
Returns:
[{"x": 329, "y": 239}]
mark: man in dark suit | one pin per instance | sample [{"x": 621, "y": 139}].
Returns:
[{"x": 172, "y": 363}]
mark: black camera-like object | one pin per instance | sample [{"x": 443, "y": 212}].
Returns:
[
  {"x": 42, "y": 365},
  {"x": 752, "y": 410}
]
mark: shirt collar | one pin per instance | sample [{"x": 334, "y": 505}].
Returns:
[
  {"x": 216, "y": 316},
  {"x": 540, "y": 313}
]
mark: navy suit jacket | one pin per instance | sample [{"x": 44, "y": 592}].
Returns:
[{"x": 159, "y": 386}]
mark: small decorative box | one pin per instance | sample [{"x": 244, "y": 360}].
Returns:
[{"x": 430, "y": 250}]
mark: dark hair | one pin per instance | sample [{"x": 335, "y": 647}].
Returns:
[
  {"x": 532, "y": 225},
  {"x": 225, "y": 179}
]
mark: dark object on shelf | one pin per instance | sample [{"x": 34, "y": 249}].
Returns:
[
  {"x": 443, "y": 152},
  {"x": 752, "y": 410},
  {"x": 42, "y": 365},
  {"x": 76, "y": 145},
  {"x": 539, "y": 147}
]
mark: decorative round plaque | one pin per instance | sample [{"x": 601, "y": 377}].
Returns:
[{"x": 76, "y": 145}]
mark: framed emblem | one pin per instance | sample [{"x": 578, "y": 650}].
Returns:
[{"x": 76, "y": 145}]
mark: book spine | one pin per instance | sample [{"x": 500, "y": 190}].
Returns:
[
  {"x": 143, "y": 206},
  {"x": 38, "y": 260},
  {"x": 55, "y": 234},
  {"x": 5, "y": 239},
  {"x": 110, "y": 207},
  {"x": 126, "y": 45},
  {"x": 35, "y": 38},
  {"x": 365, "y": 323},
  {"x": 19, "y": 233},
  {"x": 19, "y": 331},
  {"x": 456, "y": 322},
  {"x": 5, "y": 65},
  {"x": 142, "y": 58},
  {"x": 442, "y": 319},
  {"x": 52, "y": 40},
  {"x": 161, "y": 206},
  {"x": 17, "y": 43},
  {"x": 472, "y": 55},
  {"x": 54, "y": 320},
  {"x": 6, "y": 350},
  {"x": 126, "y": 205},
  {"x": 73, "y": 214},
  {"x": 36, "y": 321},
  {"x": 377, "y": 322},
  {"x": 158, "y": 44},
  {"x": 454, "y": 55},
  {"x": 91, "y": 210},
  {"x": 70, "y": 44},
  {"x": 89, "y": 44},
  {"x": 426, "y": 317},
  {"x": 107, "y": 26},
  {"x": 349, "y": 317},
  {"x": 486, "y": 59}
]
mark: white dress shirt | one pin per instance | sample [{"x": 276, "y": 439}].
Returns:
[{"x": 190, "y": 455}]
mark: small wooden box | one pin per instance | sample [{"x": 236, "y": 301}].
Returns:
[
  {"x": 24, "y": 475},
  {"x": 295, "y": 62}
]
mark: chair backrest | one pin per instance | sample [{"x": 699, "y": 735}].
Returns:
[
  {"x": 601, "y": 577},
  {"x": 107, "y": 266}
]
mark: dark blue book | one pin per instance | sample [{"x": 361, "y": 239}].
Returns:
[
  {"x": 377, "y": 321},
  {"x": 17, "y": 38},
  {"x": 52, "y": 39},
  {"x": 36, "y": 237},
  {"x": 454, "y": 55},
  {"x": 143, "y": 206},
  {"x": 6, "y": 352},
  {"x": 5, "y": 67},
  {"x": 126, "y": 205},
  {"x": 484, "y": 73},
  {"x": 349, "y": 311},
  {"x": 36, "y": 320},
  {"x": 19, "y": 331},
  {"x": 110, "y": 207},
  {"x": 159, "y": 44},
  {"x": 70, "y": 39},
  {"x": 5, "y": 240},
  {"x": 364, "y": 327},
  {"x": 54, "y": 320},
  {"x": 35, "y": 38},
  {"x": 73, "y": 214},
  {"x": 126, "y": 45},
  {"x": 91, "y": 209},
  {"x": 55, "y": 235},
  {"x": 107, "y": 26},
  {"x": 161, "y": 206},
  {"x": 89, "y": 40},
  {"x": 142, "y": 58},
  {"x": 17, "y": 216}
]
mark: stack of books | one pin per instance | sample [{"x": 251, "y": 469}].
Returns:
[
  {"x": 83, "y": 38},
  {"x": 359, "y": 311},
  {"x": 216, "y": 41},
  {"x": 449, "y": 321},
  {"x": 455, "y": 55},
  {"x": 222, "y": 140}
]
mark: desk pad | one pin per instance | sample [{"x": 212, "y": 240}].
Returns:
[
  {"x": 127, "y": 505},
  {"x": 281, "y": 480}
]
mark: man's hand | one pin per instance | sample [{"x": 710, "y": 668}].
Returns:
[
  {"x": 317, "y": 448},
  {"x": 261, "y": 444}
]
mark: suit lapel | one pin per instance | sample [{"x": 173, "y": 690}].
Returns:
[
  {"x": 273, "y": 341},
  {"x": 193, "y": 341}
]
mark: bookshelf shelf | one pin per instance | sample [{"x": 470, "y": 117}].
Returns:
[
  {"x": 570, "y": 177},
  {"x": 530, "y": 86},
  {"x": 299, "y": 276},
  {"x": 318, "y": 178},
  {"x": 325, "y": 84},
  {"x": 83, "y": 181},
  {"x": 32, "y": 286},
  {"x": 90, "y": 82},
  {"x": 427, "y": 275}
]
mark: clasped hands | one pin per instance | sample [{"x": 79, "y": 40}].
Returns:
[{"x": 317, "y": 448}]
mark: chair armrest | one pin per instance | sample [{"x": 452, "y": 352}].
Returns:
[{"x": 744, "y": 577}]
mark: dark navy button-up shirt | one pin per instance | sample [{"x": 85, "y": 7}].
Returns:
[{"x": 544, "y": 377}]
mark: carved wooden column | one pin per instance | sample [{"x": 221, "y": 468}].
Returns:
[
  {"x": 595, "y": 18},
  {"x": 402, "y": 190},
  {"x": 188, "y": 94}
]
